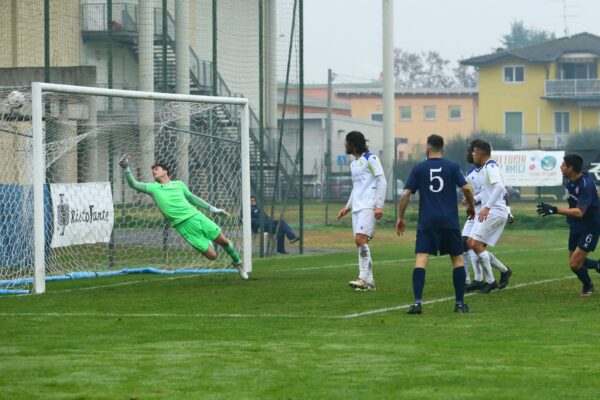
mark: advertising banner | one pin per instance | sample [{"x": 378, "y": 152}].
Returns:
[
  {"x": 530, "y": 167},
  {"x": 83, "y": 213}
]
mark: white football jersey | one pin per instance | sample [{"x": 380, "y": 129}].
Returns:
[
  {"x": 491, "y": 174},
  {"x": 364, "y": 170},
  {"x": 476, "y": 179}
]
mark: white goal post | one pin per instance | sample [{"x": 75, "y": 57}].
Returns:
[{"x": 39, "y": 150}]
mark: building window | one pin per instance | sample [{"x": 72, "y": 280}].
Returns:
[
  {"x": 430, "y": 113},
  {"x": 577, "y": 71},
  {"x": 377, "y": 116},
  {"x": 514, "y": 73},
  {"x": 405, "y": 113},
  {"x": 454, "y": 112},
  {"x": 562, "y": 122}
]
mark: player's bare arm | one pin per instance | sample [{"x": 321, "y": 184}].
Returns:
[{"x": 400, "y": 225}]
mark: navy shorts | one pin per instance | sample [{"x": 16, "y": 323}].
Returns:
[
  {"x": 442, "y": 241},
  {"x": 586, "y": 240}
]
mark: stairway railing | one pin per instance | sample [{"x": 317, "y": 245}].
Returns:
[{"x": 125, "y": 18}]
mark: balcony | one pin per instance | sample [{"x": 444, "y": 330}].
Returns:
[
  {"x": 572, "y": 89},
  {"x": 544, "y": 140}
]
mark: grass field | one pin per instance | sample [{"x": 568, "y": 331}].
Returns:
[{"x": 296, "y": 331}]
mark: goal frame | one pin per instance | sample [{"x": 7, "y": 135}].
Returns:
[{"x": 39, "y": 162}]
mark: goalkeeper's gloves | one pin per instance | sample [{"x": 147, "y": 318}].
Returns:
[
  {"x": 124, "y": 162},
  {"x": 545, "y": 209},
  {"x": 216, "y": 210}
]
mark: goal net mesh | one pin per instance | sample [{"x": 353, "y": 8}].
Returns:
[{"x": 94, "y": 222}]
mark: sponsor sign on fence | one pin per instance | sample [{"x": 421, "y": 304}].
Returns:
[
  {"x": 530, "y": 167},
  {"x": 83, "y": 213}
]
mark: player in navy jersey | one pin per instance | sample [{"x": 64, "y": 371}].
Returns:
[
  {"x": 438, "y": 231},
  {"x": 583, "y": 217}
]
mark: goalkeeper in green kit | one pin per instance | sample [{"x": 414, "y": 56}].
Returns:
[{"x": 178, "y": 205}]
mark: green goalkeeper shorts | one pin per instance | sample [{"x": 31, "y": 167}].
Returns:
[{"x": 199, "y": 231}]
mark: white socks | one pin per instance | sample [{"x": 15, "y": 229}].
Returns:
[
  {"x": 365, "y": 264},
  {"x": 497, "y": 263},
  {"x": 467, "y": 262},
  {"x": 484, "y": 260},
  {"x": 477, "y": 271}
]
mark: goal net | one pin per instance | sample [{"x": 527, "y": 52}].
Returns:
[{"x": 66, "y": 210}]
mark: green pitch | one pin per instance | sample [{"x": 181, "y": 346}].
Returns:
[{"x": 295, "y": 331}]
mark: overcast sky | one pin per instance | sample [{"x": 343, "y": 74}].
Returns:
[{"x": 345, "y": 35}]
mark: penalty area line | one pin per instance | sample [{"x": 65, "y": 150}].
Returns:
[{"x": 449, "y": 298}]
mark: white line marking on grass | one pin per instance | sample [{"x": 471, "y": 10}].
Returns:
[
  {"x": 157, "y": 315},
  {"x": 404, "y": 260},
  {"x": 284, "y": 316},
  {"x": 404, "y": 306}
]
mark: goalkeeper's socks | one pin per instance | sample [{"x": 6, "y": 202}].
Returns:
[
  {"x": 230, "y": 249},
  {"x": 419, "y": 284},
  {"x": 584, "y": 277},
  {"x": 591, "y": 264},
  {"x": 458, "y": 278}
]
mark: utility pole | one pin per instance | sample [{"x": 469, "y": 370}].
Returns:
[
  {"x": 388, "y": 93},
  {"x": 329, "y": 127}
]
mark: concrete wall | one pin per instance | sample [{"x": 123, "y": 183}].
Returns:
[
  {"x": 83, "y": 76},
  {"x": 22, "y": 29}
]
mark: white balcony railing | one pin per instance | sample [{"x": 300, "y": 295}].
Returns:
[
  {"x": 579, "y": 88},
  {"x": 545, "y": 140}
]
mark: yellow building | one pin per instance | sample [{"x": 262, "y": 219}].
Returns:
[
  {"x": 418, "y": 113},
  {"x": 539, "y": 94}
]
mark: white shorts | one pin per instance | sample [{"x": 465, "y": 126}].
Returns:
[
  {"x": 363, "y": 221},
  {"x": 468, "y": 227},
  {"x": 488, "y": 231}
]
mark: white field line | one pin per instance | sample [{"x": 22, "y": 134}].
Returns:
[
  {"x": 405, "y": 306},
  {"x": 284, "y": 316},
  {"x": 393, "y": 261}
]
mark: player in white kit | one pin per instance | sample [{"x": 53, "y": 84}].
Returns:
[
  {"x": 490, "y": 219},
  {"x": 366, "y": 202}
]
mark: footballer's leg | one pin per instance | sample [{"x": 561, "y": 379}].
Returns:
[
  {"x": 576, "y": 264},
  {"x": 467, "y": 260},
  {"x": 586, "y": 243},
  {"x": 229, "y": 248},
  {"x": 363, "y": 225},
  {"x": 421, "y": 261},
  {"x": 588, "y": 263}
]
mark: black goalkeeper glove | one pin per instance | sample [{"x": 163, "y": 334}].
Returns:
[{"x": 545, "y": 209}]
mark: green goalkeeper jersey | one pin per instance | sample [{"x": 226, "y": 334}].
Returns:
[{"x": 173, "y": 199}]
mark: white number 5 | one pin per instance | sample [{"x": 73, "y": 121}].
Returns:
[{"x": 435, "y": 178}]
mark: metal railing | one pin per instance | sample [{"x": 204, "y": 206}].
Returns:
[
  {"x": 124, "y": 17},
  {"x": 546, "y": 140},
  {"x": 572, "y": 88}
]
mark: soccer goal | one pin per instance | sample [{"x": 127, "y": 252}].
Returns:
[{"x": 66, "y": 210}]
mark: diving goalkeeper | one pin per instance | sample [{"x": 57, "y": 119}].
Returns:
[{"x": 178, "y": 205}]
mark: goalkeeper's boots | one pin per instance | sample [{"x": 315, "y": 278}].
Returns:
[
  {"x": 587, "y": 291},
  {"x": 461, "y": 308},
  {"x": 240, "y": 267},
  {"x": 475, "y": 285},
  {"x": 488, "y": 287},
  {"x": 415, "y": 309},
  {"x": 504, "y": 277}
]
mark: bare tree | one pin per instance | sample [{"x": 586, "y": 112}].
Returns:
[{"x": 430, "y": 70}]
